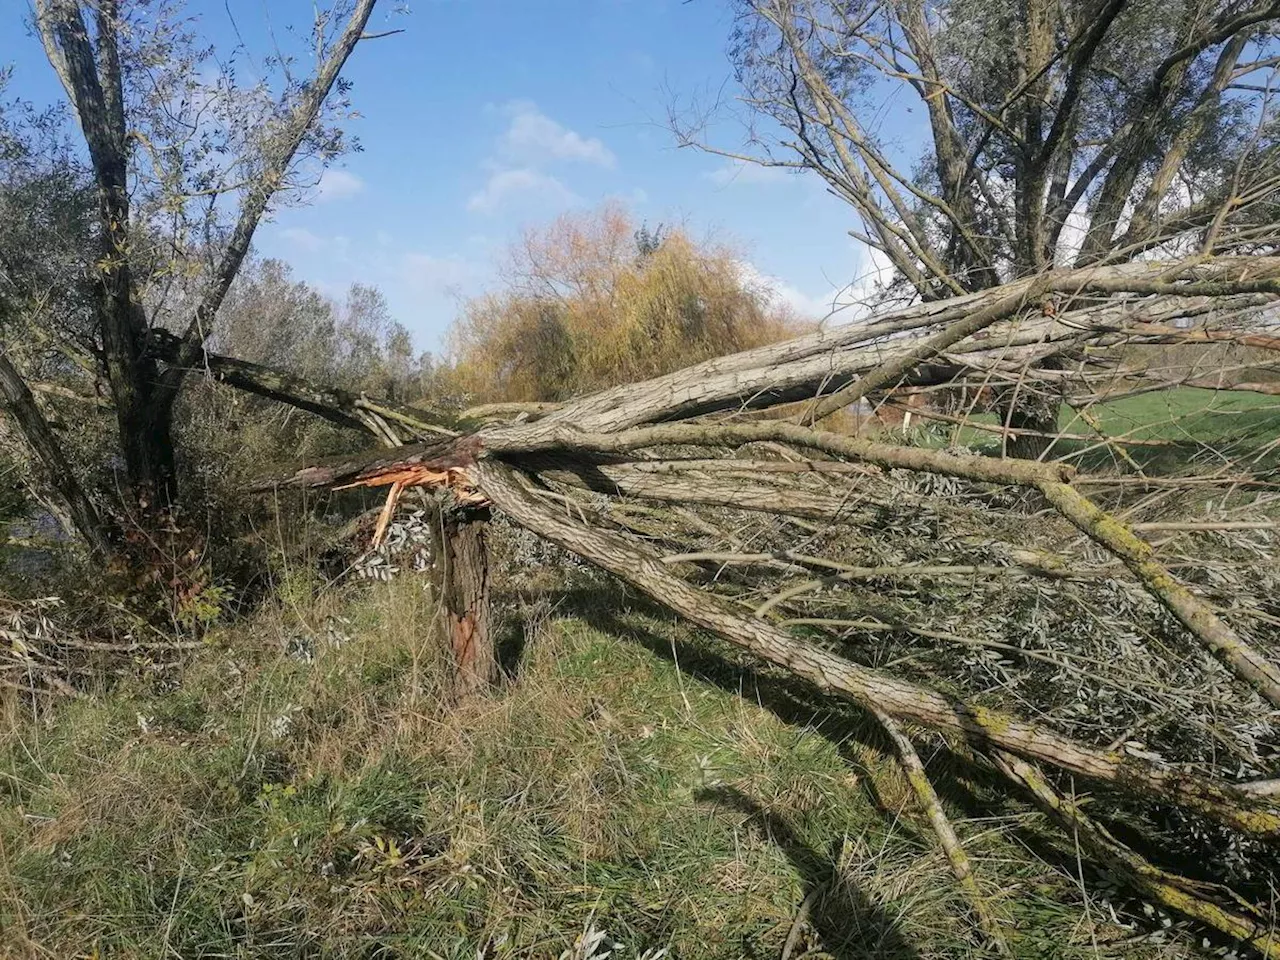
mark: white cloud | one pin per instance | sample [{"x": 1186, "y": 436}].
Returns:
[
  {"x": 804, "y": 305},
  {"x": 1071, "y": 237},
  {"x": 339, "y": 185},
  {"x": 533, "y": 137},
  {"x": 874, "y": 272},
  {"x": 303, "y": 239},
  {"x": 779, "y": 291},
  {"x": 333, "y": 289},
  {"x": 504, "y": 186},
  {"x": 330, "y": 249},
  {"x": 740, "y": 171}
]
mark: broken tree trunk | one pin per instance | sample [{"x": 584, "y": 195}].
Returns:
[
  {"x": 448, "y": 462},
  {"x": 459, "y": 533},
  {"x": 622, "y": 442},
  {"x": 462, "y": 558},
  {"x": 682, "y": 439}
]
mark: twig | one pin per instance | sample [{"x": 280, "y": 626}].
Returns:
[
  {"x": 802, "y": 915},
  {"x": 1195, "y": 614},
  {"x": 1240, "y": 920},
  {"x": 961, "y": 866}
]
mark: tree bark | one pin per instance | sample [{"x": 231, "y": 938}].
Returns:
[
  {"x": 94, "y": 88},
  {"x": 1035, "y": 418},
  {"x": 869, "y": 687},
  {"x": 34, "y": 426},
  {"x": 341, "y": 407},
  {"x": 463, "y": 557}
]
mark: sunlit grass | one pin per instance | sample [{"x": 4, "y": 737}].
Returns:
[
  {"x": 1192, "y": 426},
  {"x": 326, "y": 802}
]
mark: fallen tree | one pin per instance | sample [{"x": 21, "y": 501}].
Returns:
[{"x": 743, "y": 435}]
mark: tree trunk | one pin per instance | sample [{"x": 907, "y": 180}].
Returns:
[
  {"x": 36, "y": 429},
  {"x": 1033, "y": 406},
  {"x": 1039, "y": 416},
  {"x": 463, "y": 556},
  {"x": 146, "y": 443}
]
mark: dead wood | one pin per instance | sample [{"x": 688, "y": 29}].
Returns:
[
  {"x": 961, "y": 865},
  {"x": 1211, "y": 904},
  {"x": 462, "y": 555},
  {"x": 564, "y": 471},
  {"x": 341, "y": 407},
  {"x": 868, "y": 687}
]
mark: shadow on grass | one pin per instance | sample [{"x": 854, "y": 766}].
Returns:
[
  {"x": 977, "y": 791},
  {"x": 846, "y": 921}
]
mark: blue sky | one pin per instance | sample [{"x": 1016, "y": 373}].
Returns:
[{"x": 485, "y": 116}]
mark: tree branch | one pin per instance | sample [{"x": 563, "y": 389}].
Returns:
[
  {"x": 866, "y": 686},
  {"x": 277, "y": 155},
  {"x": 35, "y": 428}
]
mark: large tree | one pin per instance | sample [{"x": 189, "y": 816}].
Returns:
[
  {"x": 1054, "y": 132},
  {"x": 183, "y": 161}
]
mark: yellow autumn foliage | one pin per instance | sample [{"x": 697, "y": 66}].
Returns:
[{"x": 591, "y": 301}]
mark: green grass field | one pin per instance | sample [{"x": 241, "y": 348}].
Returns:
[
  {"x": 1190, "y": 414},
  {"x": 1195, "y": 426},
  {"x": 633, "y": 781}
]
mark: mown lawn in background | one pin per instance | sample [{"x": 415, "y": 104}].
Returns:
[
  {"x": 1202, "y": 428},
  {"x": 301, "y": 791},
  {"x": 1191, "y": 414}
]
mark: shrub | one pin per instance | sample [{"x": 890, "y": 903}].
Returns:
[{"x": 592, "y": 301}]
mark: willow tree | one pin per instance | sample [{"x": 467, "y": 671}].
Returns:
[
  {"x": 593, "y": 299},
  {"x": 183, "y": 161},
  {"x": 1054, "y": 133},
  {"x": 801, "y": 546}
]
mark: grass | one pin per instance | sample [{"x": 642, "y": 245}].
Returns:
[
  {"x": 303, "y": 790},
  {"x": 1197, "y": 425}
]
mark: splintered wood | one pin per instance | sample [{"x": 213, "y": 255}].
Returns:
[{"x": 415, "y": 475}]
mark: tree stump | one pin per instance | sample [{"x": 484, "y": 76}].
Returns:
[
  {"x": 463, "y": 559},
  {"x": 1040, "y": 415}
]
